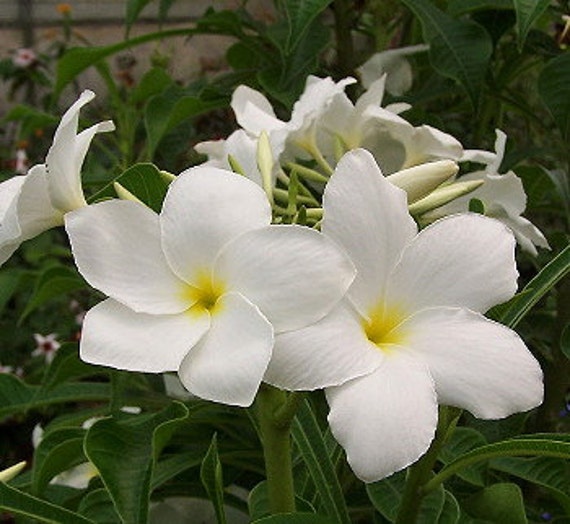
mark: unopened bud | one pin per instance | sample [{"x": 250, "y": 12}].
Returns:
[
  {"x": 420, "y": 181},
  {"x": 124, "y": 194},
  {"x": 8, "y": 474},
  {"x": 443, "y": 196},
  {"x": 166, "y": 176},
  {"x": 235, "y": 165}
]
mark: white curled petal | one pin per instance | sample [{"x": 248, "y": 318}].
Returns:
[
  {"x": 116, "y": 246},
  {"x": 385, "y": 421},
  {"x": 327, "y": 353},
  {"x": 464, "y": 260},
  {"x": 253, "y": 111},
  {"x": 228, "y": 364},
  {"x": 115, "y": 336},
  {"x": 205, "y": 208},
  {"x": 369, "y": 218},
  {"x": 294, "y": 274},
  {"x": 477, "y": 364},
  {"x": 526, "y": 233},
  {"x": 9, "y": 192}
]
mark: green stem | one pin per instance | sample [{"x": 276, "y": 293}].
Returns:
[
  {"x": 275, "y": 413},
  {"x": 421, "y": 471}
]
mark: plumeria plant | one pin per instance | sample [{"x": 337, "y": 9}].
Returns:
[{"x": 344, "y": 310}]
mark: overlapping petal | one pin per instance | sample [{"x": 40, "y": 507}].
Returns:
[
  {"x": 114, "y": 335},
  {"x": 385, "y": 420},
  {"x": 117, "y": 248},
  {"x": 476, "y": 364},
  {"x": 228, "y": 364},
  {"x": 253, "y": 111},
  {"x": 327, "y": 353},
  {"x": 292, "y": 273},
  {"x": 205, "y": 208},
  {"x": 369, "y": 218},
  {"x": 465, "y": 260}
]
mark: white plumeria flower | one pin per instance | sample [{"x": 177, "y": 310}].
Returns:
[
  {"x": 46, "y": 346},
  {"x": 504, "y": 197},
  {"x": 36, "y": 202},
  {"x": 394, "y": 65},
  {"x": 412, "y": 333},
  {"x": 201, "y": 288}
]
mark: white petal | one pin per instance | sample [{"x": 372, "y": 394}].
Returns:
[
  {"x": 116, "y": 245},
  {"x": 204, "y": 208},
  {"x": 115, "y": 336},
  {"x": 429, "y": 143},
  {"x": 253, "y": 111},
  {"x": 9, "y": 225},
  {"x": 476, "y": 364},
  {"x": 526, "y": 233},
  {"x": 369, "y": 217},
  {"x": 227, "y": 365},
  {"x": 385, "y": 421},
  {"x": 294, "y": 274},
  {"x": 327, "y": 353},
  {"x": 464, "y": 260}
]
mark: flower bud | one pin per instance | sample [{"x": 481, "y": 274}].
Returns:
[
  {"x": 444, "y": 195},
  {"x": 8, "y": 474},
  {"x": 420, "y": 181},
  {"x": 265, "y": 164},
  {"x": 124, "y": 194}
]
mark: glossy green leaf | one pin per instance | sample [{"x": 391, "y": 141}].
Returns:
[
  {"x": 53, "y": 282},
  {"x": 310, "y": 442},
  {"x": 565, "y": 341},
  {"x": 146, "y": 183},
  {"x": 58, "y": 451},
  {"x": 67, "y": 366},
  {"x": 300, "y": 15},
  {"x": 498, "y": 503},
  {"x": 98, "y": 506},
  {"x": 134, "y": 8},
  {"x": 513, "y": 311},
  {"x": 295, "y": 518},
  {"x": 552, "y": 474},
  {"x": 212, "y": 479},
  {"x": 554, "y": 90},
  {"x": 258, "y": 502},
  {"x": 9, "y": 283},
  {"x": 462, "y": 441},
  {"x": 170, "y": 467},
  {"x": 18, "y": 397},
  {"x": 450, "y": 513},
  {"x": 528, "y": 12},
  {"x": 153, "y": 82},
  {"x": 461, "y": 7},
  {"x": 459, "y": 48},
  {"x": 21, "y": 503},
  {"x": 124, "y": 450}
]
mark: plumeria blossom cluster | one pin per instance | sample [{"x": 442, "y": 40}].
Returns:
[{"x": 306, "y": 273}]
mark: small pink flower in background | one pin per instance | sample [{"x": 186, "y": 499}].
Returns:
[
  {"x": 24, "y": 57},
  {"x": 47, "y": 346},
  {"x": 21, "y": 166},
  {"x": 7, "y": 370},
  {"x": 78, "y": 311}
]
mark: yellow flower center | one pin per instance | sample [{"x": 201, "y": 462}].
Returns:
[
  {"x": 205, "y": 294},
  {"x": 384, "y": 329}
]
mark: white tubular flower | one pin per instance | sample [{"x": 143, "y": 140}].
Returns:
[
  {"x": 201, "y": 288},
  {"x": 394, "y": 65},
  {"x": 36, "y": 202},
  {"x": 504, "y": 197},
  {"x": 412, "y": 333}
]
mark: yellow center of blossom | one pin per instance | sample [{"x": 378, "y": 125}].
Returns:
[
  {"x": 383, "y": 329},
  {"x": 204, "y": 294}
]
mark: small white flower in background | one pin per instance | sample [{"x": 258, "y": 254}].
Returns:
[
  {"x": 503, "y": 196},
  {"x": 46, "y": 346},
  {"x": 33, "y": 203},
  {"x": 411, "y": 334},
  {"x": 201, "y": 288},
  {"x": 24, "y": 57},
  {"x": 7, "y": 370},
  {"x": 392, "y": 63},
  {"x": 21, "y": 166}
]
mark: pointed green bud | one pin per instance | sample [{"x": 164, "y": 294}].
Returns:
[
  {"x": 307, "y": 173},
  {"x": 167, "y": 177},
  {"x": 420, "y": 181},
  {"x": 235, "y": 165},
  {"x": 265, "y": 164},
  {"x": 444, "y": 195},
  {"x": 8, "y": 474},
  {"x": 340, "y": 148},
  {"x": 124, "y": 194}
]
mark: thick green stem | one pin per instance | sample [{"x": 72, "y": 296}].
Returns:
[
  {"x": 275, "y": 414},
  {"x": 421, "y": 471}
]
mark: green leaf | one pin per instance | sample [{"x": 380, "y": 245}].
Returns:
[
  {"x": 9, "y": 283},
  {"x": 552, "y": 474},
  {"x": 212, "y": 480},
  {"x": 515, "y": 309},
  {"x": 300, "y": 15},
  {"x": 58, "y": 451},
  {"x": 310, "y": 442},
  {"x": 134, "y": 7},
  {"x": 258, "y": 502},
  {"x": 124, "y": 450},
  {"x": 565, "y": 341},
  {"x": 498, "y": 503},
  {"x": 450, "y": 512},
  {"x": 98, "y": 506},
  {"x": 461, "y": 7},
  {"x": 462, "y": 441},
  {"x": 146, "y": 183},
  {"x": 554, "y": 90},
  {"x": 66, "y": 366},
  {"x": 20, "y": 503},
  {"x": 53, "y": 282},
  {"x": 153, "y": 82},
  {"x": 528, "y": 12},
  {"x": 459, "y": 48},
  {"x": 18, "y": 397},
  {"x": 295, "y": 518}
]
